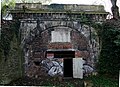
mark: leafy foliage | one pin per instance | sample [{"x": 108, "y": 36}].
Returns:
[
  {"x": 7, "y": 4},
  {"x": 10, "y": 52},
  {"x": 7, "y": 33},
  {"x": 102, "y": 81},
  {"x": 109, "y": 57},
  {"x": 109, "y": 36}
]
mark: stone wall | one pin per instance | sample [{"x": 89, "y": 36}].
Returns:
[
  {"x": 72, "y": 7},
  {"x": 39, "y": 21},
  {"x": 28, "y": 5}
]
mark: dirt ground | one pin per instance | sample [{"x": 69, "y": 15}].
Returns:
[{"x": 47, "y": 81}]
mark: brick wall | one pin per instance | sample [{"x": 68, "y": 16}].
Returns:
[{"x": 60, "y": 45}]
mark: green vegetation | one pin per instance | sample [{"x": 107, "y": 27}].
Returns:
[
  {"x": 109, "y": 35},
  {"x": 10, "y": 52},
  {"x": 6, "y": 5},
  {"x": 110, "y": 51},
  {"x": 102, "y": 81},
  {"x": 108, "y": 64},
  {"x": 8, "y": 33}
]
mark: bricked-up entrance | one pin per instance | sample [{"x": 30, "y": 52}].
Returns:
[{"x": 67, "y": 57}]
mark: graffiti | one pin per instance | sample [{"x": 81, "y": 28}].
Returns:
[
  {"x": 53, "y": 66},
  {"x": 87, "y": 69}
]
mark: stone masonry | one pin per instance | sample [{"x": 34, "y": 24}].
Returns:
[{"x": 38, "y": 21}]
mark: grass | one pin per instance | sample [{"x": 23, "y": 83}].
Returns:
[{"x": 102, "y": 81}]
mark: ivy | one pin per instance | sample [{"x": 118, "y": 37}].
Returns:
[
  {"x": 110, "y": 52},
  {"x": 8, "y": 31},
  {"x": 109, "y": 35}
]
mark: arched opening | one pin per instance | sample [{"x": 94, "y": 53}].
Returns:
[{"x": 72, "y": 43}]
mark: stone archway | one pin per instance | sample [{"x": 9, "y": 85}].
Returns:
[{"x": 81, "y": 36}]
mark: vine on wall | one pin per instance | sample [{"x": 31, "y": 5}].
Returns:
[
  {"x": 9, "y": 30},
  {"x": 10, "y": 52},
  {"x": 110, "y": 51},
  {"x": 109, "y": 36}
]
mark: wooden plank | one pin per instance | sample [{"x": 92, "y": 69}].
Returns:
[{"x": 77, "y": 68}]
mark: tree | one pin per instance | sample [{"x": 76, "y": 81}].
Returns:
[
  {"x": 115, "y": 9},
  {"x": 110, "y": 52},
  {"x": 10, "y": 4},
  {"x": 5, "y": 6}
]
